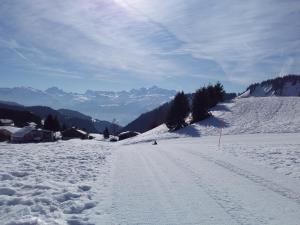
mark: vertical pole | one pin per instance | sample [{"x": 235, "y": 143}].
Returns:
[{"x": 222, "y": 125}]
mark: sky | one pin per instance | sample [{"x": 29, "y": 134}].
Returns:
[{"x": 123, "y": 44}]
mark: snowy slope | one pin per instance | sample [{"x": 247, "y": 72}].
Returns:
[
  {"x": 240, "y": 116},
  {"x": 281, "y": 86}
]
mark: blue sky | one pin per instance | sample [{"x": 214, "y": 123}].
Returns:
[{"x": 122, "y": 44}]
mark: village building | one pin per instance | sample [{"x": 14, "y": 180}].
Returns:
[
  {"x": 127, "y": 134},
  {"x": 72, "y": 132},
  {"x": 6, "y": 132},
  {"x": 30, "y": 134}
]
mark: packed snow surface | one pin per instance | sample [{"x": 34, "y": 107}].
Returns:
[{"x": 252, "y": 177}]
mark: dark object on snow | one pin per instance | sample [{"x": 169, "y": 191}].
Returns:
[
  {"x": 71, "y": 133},
  {"x": 154, "y": 142},
  {"x": 5, "y": 135},
  {"x": 113, "y": 139},
  {"x": 106, "y": 133},
  {"x": 127, "y": 134}
]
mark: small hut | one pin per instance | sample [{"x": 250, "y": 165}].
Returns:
[
  {"x": 25, "y": 134},
  {"x": 47, "y": 135},
  {"x": 72, "y": 132},
  {"x": 127, "y": 134},
  {"x": 6, "y": 132}
]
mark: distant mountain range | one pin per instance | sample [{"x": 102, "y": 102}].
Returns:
[
  {"x": 21, "y": 115},
  {"x": 105, "y": 105}
]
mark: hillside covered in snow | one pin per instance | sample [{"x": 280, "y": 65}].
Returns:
[
  {"x": 281, "y": 86},
  {"x": 240, "y": 116}
]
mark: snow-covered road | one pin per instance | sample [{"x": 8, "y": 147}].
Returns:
[
  {"x": 191, "y": 181},
  {"x": 250, "y": 179}
]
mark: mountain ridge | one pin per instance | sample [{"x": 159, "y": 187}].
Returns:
[
  {"x": 288, "y": 85},
  {"x": 19, "y": 113},
  {"x": 104, "y": 105}
]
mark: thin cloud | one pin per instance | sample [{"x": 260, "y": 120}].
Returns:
[{"x": 229, "y": 40}]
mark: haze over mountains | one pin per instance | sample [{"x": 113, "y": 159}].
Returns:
[{"x": 105, "y": 105}]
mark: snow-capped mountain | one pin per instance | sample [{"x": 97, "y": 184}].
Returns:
[
  {"x": 105, "y": 105},
  {"x": 282, "y": 86}
]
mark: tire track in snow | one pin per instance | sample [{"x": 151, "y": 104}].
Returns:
[
  {"x": 233, "y": 208},
  {"x": 187, "y": 212},
  {"x": 165, "y": 196},
  {"x": 137, "y": 198},
  {"x": 284, "y": 192}
]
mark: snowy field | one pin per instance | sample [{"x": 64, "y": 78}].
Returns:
[
  {"x": 52, "y": 183},
  {"x": 250, "y": 179},
  {"x": 253, "y": 177}
]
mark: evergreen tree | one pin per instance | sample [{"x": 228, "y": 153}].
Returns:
[
  {"x": 64, "y": 127},
  {"x": 219, "y": 92},
  {"x": 48, "y": 123},
  {"x": 51, "y": 123},
  {"x": 106, "y": 133},
  {"x": 179, "y": 110},
  {"x": 206, "y": 98},
  {"x": 56, "y": 124},
  {"x": 200, "y": 105}
]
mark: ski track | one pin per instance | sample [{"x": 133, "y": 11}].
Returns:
[
  {"x": 228, "y": 198},
  {"x": 183, "y": 179},
  {"x": 257, "y": 179},
  {"x": 164, "y": 198},
  {"x": 223, "y": 199}
]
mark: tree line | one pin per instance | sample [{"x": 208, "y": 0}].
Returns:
[
  {"x": 53, "y": 124},
  {"x": 202, "y": 100}
]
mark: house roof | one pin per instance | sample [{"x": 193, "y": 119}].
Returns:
[
  {"x": 82, "y": 132},
  {"x": 76, "y": 130},
  {"x": 22, "y": 132},
  {"x": 10, "y": 128},
  {"x": 6, "y": 121}
]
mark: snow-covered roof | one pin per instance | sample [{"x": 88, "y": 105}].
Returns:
[
  {"x": 10, "y": 128},
  {"x": 23, "y": 131},
  {"x": 6, "y": 121},
  {"x": 129, "y": 132},
  {"x": 82, "y": 132},
  {"x": 32, "y": 124}
]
